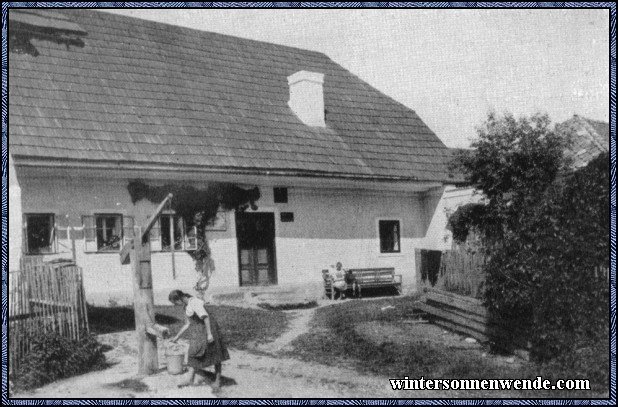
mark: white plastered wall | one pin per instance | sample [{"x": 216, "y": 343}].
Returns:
[
  {"x": 438, "y": 237},
  {"x": 329, "y": 226}
]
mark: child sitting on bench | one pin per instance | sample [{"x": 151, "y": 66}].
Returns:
[
  {"x": 350, "y": 279},
  {"x": 339, "y": 284}
]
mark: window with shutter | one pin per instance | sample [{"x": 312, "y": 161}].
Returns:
[
  {"x": 172, "y": 228},
  {"x": 108, "y": 231}
]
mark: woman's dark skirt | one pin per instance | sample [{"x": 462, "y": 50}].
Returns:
[{"x": 201, "y": 353}]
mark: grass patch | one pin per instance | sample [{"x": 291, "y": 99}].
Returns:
[
  {"x": 335, "y": 337},
  {"x": 241, "y": 327},
  {"x": 335, "y": 340}
]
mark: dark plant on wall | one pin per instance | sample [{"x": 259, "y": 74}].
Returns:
[{"x": 198, "y": 207}]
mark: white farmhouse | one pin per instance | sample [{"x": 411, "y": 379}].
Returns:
[{"x": 97, "y": 100}]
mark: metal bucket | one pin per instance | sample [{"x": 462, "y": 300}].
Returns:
[
  {"x": 175, "y": 364},
  {"x": 175, "y": 358}
]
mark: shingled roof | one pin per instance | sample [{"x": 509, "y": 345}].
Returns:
[
  {"x": 90, "y": 86},
  {"x": 588, "y": 137}
]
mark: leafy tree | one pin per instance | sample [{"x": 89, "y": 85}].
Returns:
[
  {"x": 546, "y": 236},
  {"x": 512, "y": 162}
]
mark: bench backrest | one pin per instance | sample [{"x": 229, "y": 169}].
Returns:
[{"x": 374, "y": 274}]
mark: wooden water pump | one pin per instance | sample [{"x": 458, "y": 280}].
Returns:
[{"x": 137, "y": 252}]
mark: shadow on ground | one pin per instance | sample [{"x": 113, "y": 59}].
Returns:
[
  {"x": 104, "y": 320},
  {"x": 240, "y": 326},
  {"x": 375, "y": 292},
  {"x": 210, "y": 378},
  {"x": 130, "y": 384}
]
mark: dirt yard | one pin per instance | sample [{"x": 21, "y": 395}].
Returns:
[
  {"x": 273, "y": 369},
  {"x": 259, "y": 373}
]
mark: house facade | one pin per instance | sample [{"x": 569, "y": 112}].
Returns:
[{"x": 98, "y": 100}]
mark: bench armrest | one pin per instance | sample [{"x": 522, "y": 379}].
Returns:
[{"x": 397, "y": 278}]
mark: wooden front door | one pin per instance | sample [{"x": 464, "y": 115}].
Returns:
[{"x": 255, "y": 233}]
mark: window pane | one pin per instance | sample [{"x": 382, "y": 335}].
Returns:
[
  {"x": 165, "y": 232},
  {"x": 178, "y": 232},
  {"x": 166, "y": 224},
  {"x": 262, "y": 255},
  {"x": 40, "y": 233},
  {"x": 389, "y": 236}
]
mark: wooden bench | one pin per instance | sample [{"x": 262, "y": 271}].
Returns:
[{"x": 367, "y": 278}]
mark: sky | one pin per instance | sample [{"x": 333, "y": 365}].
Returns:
[{"x": 451, "y": 66}]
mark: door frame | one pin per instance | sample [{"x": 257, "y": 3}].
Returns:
[{"x": 275, "y": 280}]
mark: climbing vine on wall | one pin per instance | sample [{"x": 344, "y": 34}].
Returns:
[{"x": 197, "y": 207}]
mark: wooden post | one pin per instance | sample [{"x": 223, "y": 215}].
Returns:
[
  {"x": 71, "y": 237},
  {"x": 172, "y": 244},
  {"x": 143, "y": 305},
  {"x": 137, "y": 251}
]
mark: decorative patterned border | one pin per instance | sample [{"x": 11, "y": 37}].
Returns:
[{"x": 612, "y": 59}]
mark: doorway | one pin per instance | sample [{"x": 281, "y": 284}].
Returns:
[{"x": 255, "y": 233}]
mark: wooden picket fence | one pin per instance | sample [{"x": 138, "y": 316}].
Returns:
[
  {"x": 44, "y": 297},
  {"x": 461, "y": 272}
]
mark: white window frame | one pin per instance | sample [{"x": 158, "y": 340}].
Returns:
[
  {"x": 89, "y": 224},
  {"x": 156, "y": 238},
  {"x": 379, "y": 247}
]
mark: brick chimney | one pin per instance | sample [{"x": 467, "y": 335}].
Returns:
[{"x": 307, "y": 97}]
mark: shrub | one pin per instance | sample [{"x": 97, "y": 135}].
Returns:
[
  {"x": 466, "y": 218},
  {"x": 589, "y": 363},
  {"x": 546, "y": 238},
  {"x": 545, "y": 278},
  {"x": 54, "y": 357}
]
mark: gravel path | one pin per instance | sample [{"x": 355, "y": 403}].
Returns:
[{"x": 298, "y": 326}]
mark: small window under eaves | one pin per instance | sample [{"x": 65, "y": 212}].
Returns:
[{"x": 280, "y": 195}]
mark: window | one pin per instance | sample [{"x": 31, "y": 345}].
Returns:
[
  {"x": 287, "y": 216},
  {"x": 171, "y": 228},
  {"x": 389, "y": 236},
  {"x": 106, "y": 232},
  {"x": 39, "y": 233},
  {"x": 109, "y": 232},
  {"x": 280, "y": 195}
]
